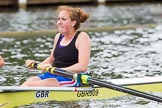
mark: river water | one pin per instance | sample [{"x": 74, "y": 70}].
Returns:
[
  {"x": 100, "y": 16},
  {"x": 115, "y": 54}
]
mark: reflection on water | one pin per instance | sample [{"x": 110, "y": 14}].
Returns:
[{"x": 116, "y": 54}]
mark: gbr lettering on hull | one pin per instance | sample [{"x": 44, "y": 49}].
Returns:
[{"x": 42, "y": 94}]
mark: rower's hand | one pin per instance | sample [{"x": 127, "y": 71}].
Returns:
[
  {"x": 44, "y": 65},
  {"x": 29, "y": 62}
]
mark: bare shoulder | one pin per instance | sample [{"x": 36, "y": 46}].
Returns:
[
  {"x": 84, "y": 36},
  {"x": 56, "y": 38}
]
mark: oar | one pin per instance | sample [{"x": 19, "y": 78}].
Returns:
[{"x": 88, "y": 80}]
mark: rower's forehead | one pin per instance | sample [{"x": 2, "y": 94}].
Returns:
[{"x": 63, "y": 13}]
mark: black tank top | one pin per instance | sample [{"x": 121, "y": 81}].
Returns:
[{"x": 65, "y": 55}]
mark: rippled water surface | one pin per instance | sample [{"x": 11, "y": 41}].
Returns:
[
  {"x": 100, "y": 15},
  {"x": 115, "y": 54}
]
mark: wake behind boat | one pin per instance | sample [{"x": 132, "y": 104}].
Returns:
[{"x": 11, "y": 96}]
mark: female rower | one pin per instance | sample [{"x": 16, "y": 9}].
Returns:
[{"x": 71, "y": 51}]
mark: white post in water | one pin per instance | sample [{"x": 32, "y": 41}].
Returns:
[
  {"x": 23, "y": 4},
  {"x": 101, "y": 1}
]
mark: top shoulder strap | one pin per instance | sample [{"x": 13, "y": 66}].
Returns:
[
  {"x": 60, "y": 38},
  {"x": 76, "y": 35}
]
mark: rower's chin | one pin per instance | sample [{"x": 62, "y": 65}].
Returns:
[{"x": 61, "y": 30}]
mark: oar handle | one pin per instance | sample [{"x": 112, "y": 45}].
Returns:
[
  {"x": 51, "y": 70},
  {"x": 39, "y": 67},
  {"x": 79, "y": 77}
]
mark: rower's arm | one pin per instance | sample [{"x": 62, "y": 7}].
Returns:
[{"x": 2, "y": 63}]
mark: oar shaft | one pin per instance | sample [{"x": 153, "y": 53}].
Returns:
[
  {"x": 86, "y": 79},
  {"x": 124, "y": 89}
]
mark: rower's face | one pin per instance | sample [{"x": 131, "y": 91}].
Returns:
[{"x": 64, "y": 22}]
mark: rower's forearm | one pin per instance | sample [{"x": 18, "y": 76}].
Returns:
[
  {"x": 76, "y": 68},
  {"x": 1, "y": 61},
  {"x": 47, "y": 60}
]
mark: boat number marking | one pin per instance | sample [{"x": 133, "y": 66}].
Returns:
[
  {"x": 87, "y": 93},
  {"x": 41, "y": 94}
]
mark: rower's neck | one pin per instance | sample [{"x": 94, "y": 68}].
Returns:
[{"x": 69, "y": 35}]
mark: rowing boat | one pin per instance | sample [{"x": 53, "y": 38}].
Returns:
[{"x": 11, "y": 96}]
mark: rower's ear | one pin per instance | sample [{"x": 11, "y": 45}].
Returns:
[{"x": 73, "y": 23}]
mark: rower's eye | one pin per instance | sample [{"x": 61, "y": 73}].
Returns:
[{"x": 63, "y": 19}]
